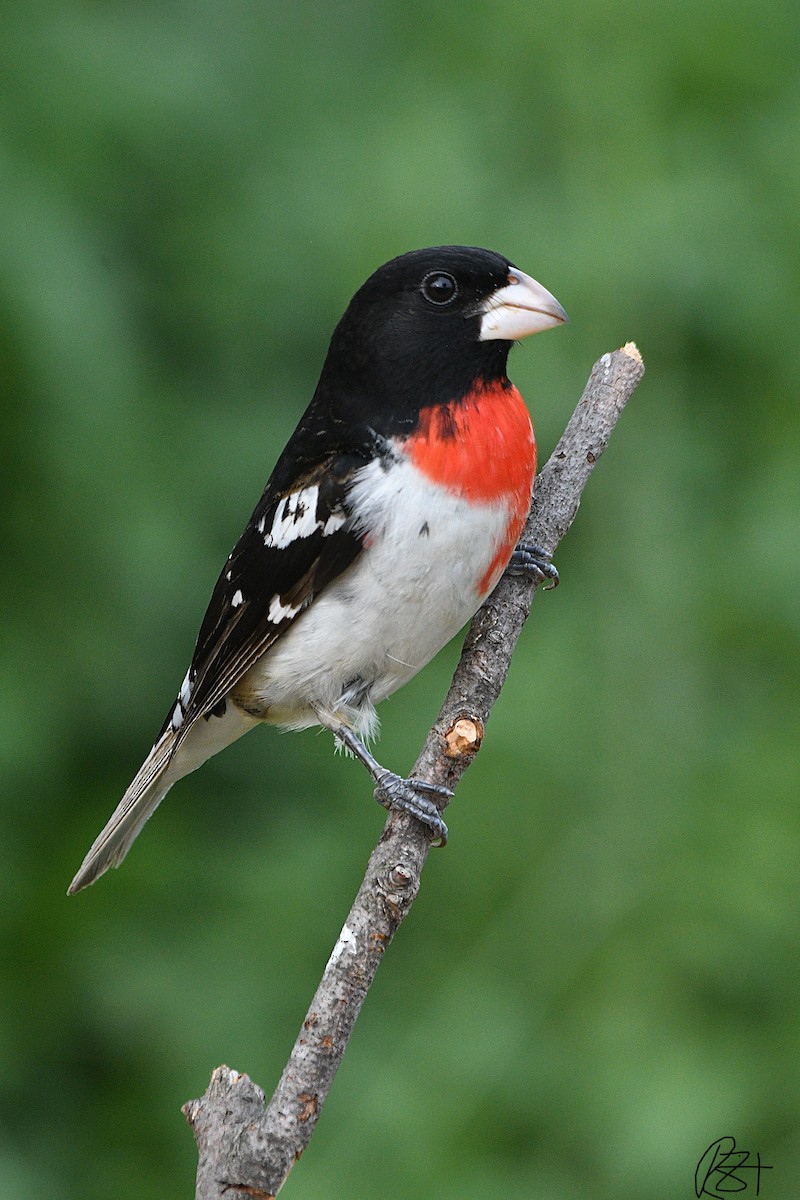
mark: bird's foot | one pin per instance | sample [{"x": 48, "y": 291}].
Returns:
[
  {"x": 392, "y": 791},
  {"x": 533, "y": 562},
  {"x": 409, "y": 795}
]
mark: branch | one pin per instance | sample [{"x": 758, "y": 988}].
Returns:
[{"x": 245, "y": 1148}]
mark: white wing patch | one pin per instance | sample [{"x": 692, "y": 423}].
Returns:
[
  {"x": 186, "y": 688},
  {"x": 237, "y": 598},
  {"x": 295, "y": 517},
  {"x": 281, "y": 612},
  {"x": 184, "y": 695},
  {"x": 335, "y": 521}
]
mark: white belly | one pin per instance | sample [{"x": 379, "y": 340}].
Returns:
[{"x": 413, "y": 587}]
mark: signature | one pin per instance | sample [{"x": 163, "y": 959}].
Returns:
[{"x": 723, "y": 1170}]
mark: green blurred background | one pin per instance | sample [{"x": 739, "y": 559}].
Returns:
[{"x": 600, "y": 976}]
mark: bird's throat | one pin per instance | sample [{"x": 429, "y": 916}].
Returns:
[{"x": 481, "y": 447}]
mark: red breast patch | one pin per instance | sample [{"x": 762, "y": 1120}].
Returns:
[{"x": 482, "y": 448}]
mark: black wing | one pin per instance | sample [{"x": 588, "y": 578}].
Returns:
[{"x": 298, "y": 539}]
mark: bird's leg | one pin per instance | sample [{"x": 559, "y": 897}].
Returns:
[
  {"x": 393, "y": 791},
  {"x": 534, "y": 562}
]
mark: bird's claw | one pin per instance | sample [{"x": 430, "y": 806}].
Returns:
[
  {"x": 533, "y": 562},
  {"x": 408, "y": 795}
]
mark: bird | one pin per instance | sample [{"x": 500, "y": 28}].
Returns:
[{"x": 390, "y": 516}]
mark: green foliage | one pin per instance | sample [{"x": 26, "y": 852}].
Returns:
[{"x": 600, "y": 976}]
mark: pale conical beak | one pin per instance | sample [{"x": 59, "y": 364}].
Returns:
[{"x": 520, "y": 308}]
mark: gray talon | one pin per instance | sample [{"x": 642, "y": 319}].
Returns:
[
  {"x": 405, "y": 794},
  {"x": 395, "y": 792},
  {"x": 533, "y": 562}
]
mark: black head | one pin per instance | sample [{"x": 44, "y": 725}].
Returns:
[{"x": 430, "y": 324}]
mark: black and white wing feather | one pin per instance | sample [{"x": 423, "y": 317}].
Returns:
[
  {"x": 299, "y": 538},
  {"x": 295, "y": 543}
]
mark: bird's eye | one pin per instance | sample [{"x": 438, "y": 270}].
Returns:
[{"x": 439, "y": 287}]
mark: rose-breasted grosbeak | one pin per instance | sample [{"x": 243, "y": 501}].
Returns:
[{"x": 390, "y": 516}]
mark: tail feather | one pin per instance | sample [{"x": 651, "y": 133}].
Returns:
[{"x": 142, "y": 798}]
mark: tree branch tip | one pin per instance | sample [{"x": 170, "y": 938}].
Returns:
[
  {"x": 224, "y": 1081},
  {"x": 631, "y": 350}
]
